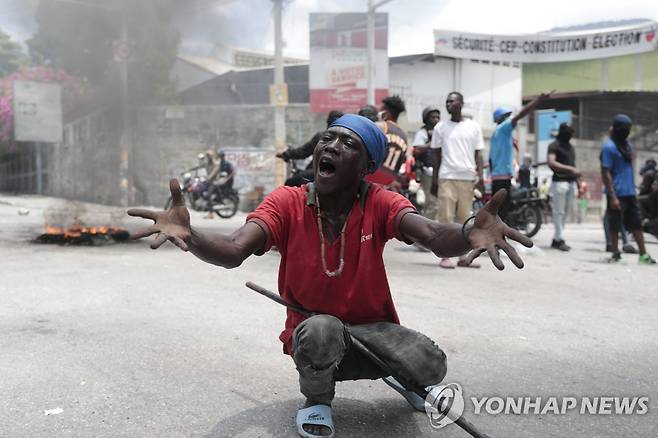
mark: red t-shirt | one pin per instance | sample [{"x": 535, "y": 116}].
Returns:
[{"x": 361, "y": 294}]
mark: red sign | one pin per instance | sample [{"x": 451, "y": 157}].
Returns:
[
  {"x": 338, "y": 76},
  {"x": 120, "y": 50}
]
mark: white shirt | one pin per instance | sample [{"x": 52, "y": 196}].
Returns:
[
  {"x": 421, "y": 138},
  {"x": 458, "y": 142}
]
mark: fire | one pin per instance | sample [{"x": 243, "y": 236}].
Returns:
[
  {"x": 77, "y": 231},
  {"x": 77, "y": 234}
]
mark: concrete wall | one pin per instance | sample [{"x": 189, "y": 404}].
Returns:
[
  {"x": 168, "y": 140},
  {"x": 85, "y": 165}
]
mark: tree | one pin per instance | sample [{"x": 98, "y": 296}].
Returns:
[
  {"x": 78, "y": 37},
  {"x": 11, "y": 56}
]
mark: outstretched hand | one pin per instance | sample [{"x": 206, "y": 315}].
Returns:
[
  {"x": 172, "y": 225},
  {"x": 489, "y": 234}
]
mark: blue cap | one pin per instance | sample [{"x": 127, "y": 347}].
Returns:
[
  {"x": 622, "y": 119},
  {"x": 499, "y": 112},
  {"x": 371, "y": 136}
]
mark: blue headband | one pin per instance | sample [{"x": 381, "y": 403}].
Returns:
[{"x": 371, "y": 136}]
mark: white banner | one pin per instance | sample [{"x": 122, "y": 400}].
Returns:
[
  {"x": 548, "y": 47},
  {"x": 37, "y": 111}
]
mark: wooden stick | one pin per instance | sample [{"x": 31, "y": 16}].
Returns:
[{"x": 461, "y": 421}]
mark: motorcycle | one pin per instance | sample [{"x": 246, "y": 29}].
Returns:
[
  {"x": 525, "y": 210},
  {"x": 200, "y": 196},
  {"x": 224, "y": 200},
  {"x": 296, "y": 175}
]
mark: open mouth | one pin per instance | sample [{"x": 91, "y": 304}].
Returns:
[{"x": 326, "y": 167}]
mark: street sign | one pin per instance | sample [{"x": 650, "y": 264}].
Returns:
[
  {"x": 120, "y": 50},
  {"x": 37, "y": 111},
  {"x": 279, "y": 95}
]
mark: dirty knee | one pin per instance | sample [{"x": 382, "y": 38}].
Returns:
[{"x": 319, "y": 342}]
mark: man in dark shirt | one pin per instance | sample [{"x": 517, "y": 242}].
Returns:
[
  {"x": 649, "y": 193},
  {"x": 306, "y": 150},
  {"x": 562, "y": 161},
  {"x": 524, "y": 172},
  {"x": 226, "y": 172}
]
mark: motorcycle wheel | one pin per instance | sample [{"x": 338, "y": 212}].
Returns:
[
  {"x": 532, "y": 218},
  {"x": 227, "y": 207}
]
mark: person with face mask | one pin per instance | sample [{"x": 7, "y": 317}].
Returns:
[
  {"x": 562, "y": 161},
  {"x": 619, "y": 180}
]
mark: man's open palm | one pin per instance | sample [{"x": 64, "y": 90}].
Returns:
[
  {"x": 172, "y": 225},
  {"x": 489, "y": 234}
]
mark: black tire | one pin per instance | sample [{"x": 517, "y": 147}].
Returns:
[
  {"x": 533, "y": 220},
  {"x": 227, "y": 207}
]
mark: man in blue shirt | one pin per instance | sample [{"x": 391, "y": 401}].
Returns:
[
  {"x": 501, "y": 152},
  {"x": 617, "y": 172}
]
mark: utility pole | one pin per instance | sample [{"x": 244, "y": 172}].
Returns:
[
  {"x": 125, "y": 152},
  {"x": 372, "y": 9},
  {"x": 125, "y": 141},
  {"x": 279, "y": 87}
]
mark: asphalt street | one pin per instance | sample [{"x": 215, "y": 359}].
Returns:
[{"x": 123, "y": 341}]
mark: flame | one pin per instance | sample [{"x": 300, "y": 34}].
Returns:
[{"x": 76, "y": 230}]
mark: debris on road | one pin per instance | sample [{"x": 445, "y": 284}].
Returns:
[{"x": 53, "y": 411}]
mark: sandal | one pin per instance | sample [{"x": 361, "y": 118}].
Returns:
[
  {"x": 319, "y": 415},
  {"x": 414, "y": 399}
]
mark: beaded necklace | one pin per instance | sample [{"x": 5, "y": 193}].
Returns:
[{"x": 341, "y": 263}]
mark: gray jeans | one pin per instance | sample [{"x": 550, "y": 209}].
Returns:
[
  {"x": 562, "y": 194},
  {"x": 323, "y": 355},
  {"x": 431, "y": 207}
]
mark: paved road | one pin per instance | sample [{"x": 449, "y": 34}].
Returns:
[{"x": 131, "y": 342}]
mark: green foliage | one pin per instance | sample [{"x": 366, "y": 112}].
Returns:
[
  {"x": 79, "y": 38},
  {"x": 11, "y": 56}
]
